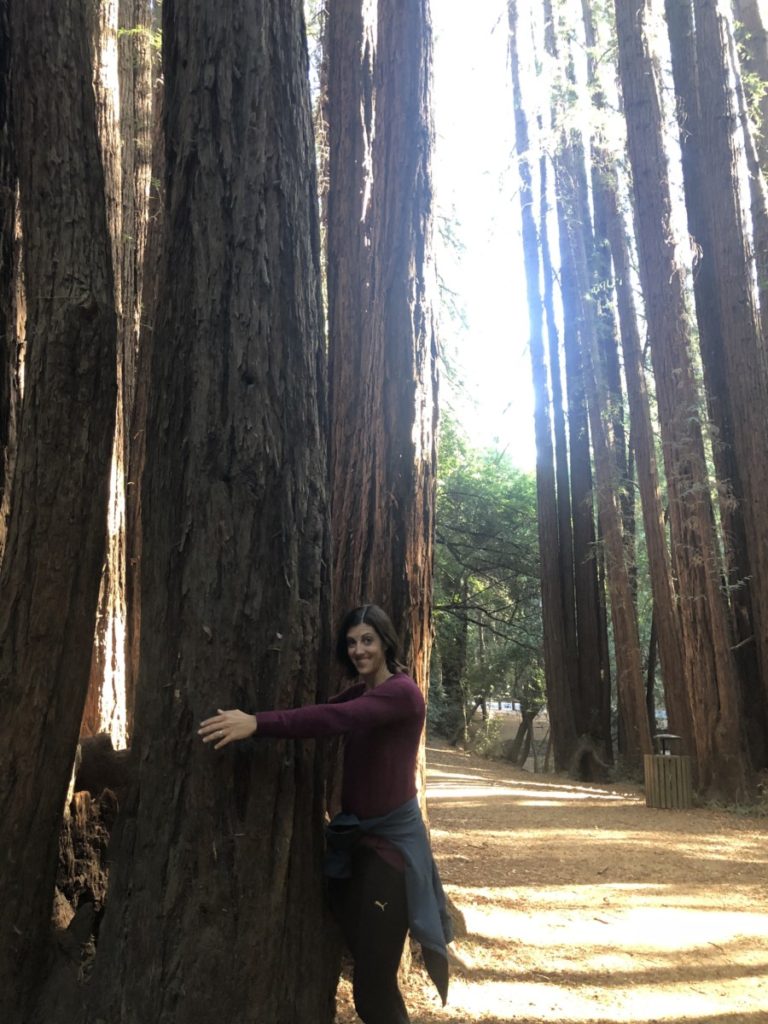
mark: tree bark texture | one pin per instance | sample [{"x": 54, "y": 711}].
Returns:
[
  {"x": 105, "y": 704},
  {"x": 139, "y": 403},
  {"x": 698, "y": 175},
  {"x": 560, "y": 453},
  {"x": 723, "y": 764},
  {"x": 556, "y": 653},
  {"x": 383, "y": 356},
  {"x": 610, "y": 465},
  {"x": 590, "y": 703},
  {"x": 216, "y": 898},
  {"x": 50, "y": 572},
  {"x": 665, "y": 616},
  {"x": 743, "y": 353},
  {"x": 8, "y": 347}
]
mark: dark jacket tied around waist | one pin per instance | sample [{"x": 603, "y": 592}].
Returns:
[{"x": 428, "y": 917}]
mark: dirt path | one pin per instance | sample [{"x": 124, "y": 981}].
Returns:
[{"x": 583, "y": 905}]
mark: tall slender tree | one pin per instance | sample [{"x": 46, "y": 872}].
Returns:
[
  {"x": 556, "y": 653},
  {"x": 50, "y": 571},
  {"x": 592, "y": 694},
  {"x": 665, "y": 614}
]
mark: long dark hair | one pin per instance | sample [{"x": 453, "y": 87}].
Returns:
[{"x": 375, "y": 617}]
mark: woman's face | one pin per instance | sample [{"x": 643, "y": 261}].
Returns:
[{"x": 366, "y": 650}]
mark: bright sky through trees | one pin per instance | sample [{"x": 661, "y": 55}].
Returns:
[{"x": 475, "y": 182}]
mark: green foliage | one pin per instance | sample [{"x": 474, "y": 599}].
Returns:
[
  {"x": 154, "y": 35},
  {"x": 486, "y": 597},
  {"x": 755, "y": 87}
]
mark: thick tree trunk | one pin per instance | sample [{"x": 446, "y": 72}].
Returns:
[
  {"x": 715, "y": 701},
  {"x": 383, "y": 358},
  {"x": 556, "y": 654},
  {"x": 50, "y": 572},
  {"x": 216, "y": 898}
]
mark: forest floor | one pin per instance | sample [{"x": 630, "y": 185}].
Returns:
[{"x": 584, "y": 906}]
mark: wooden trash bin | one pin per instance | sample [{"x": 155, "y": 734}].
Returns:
[{"x": 667, "y": 776}]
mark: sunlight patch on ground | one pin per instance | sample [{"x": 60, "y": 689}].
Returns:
[
  {"x": 578, "y": 956},
  {"x": 547, "y": 1001},
  {"x": 445, "y": 790}
]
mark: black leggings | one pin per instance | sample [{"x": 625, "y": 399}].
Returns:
[{"x": 372, "y": 911}]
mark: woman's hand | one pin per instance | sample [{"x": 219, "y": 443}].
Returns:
[{"x": 226, "y": 727}]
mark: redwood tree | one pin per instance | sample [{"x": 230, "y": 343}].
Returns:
[
  {"x": 557, "y": 661},
  {"x": 383, "y": 365},
  {"x": 50, "y": 571},
  {"x": 218, "y": 859},
  {"x": 742, "y": 353},
  {"x": 723, "y": 765}
]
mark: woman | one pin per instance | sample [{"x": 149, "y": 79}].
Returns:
[{"x": 383, "y": 879}]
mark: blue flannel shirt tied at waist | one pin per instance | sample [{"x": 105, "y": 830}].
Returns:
[{"x": 404, "y": 828}]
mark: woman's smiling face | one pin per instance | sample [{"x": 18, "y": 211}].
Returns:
[{"x": 366, "y": 652}]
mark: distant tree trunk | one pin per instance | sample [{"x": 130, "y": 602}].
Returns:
[
  {"x": 556, "y": 654},
  {"x": 50, "y": 572},
  {"x": 650, "y": 676},
  {"x": 577, "y": 247},
  {"x": 631, "y": 691},
  {"x": 723, "y": 764},
  {"x": 105, "y": 705},
  {"x": 122, "y": 42},
  {"x": 573, "y": 215},
  {"x": 137, "y": 61},
  {"x": 602, "y": 173},
  {"x": 454, "y": 664},
  {"x": 673, "y": 665},
  {"x": 520, "y": 747},
  {"x": 383, "y": 357},
  {"x": 8, "y": 350},
  {"x": 751, "y": 16},
  {"x": 610, "y": 465},
  {"x": 758, "y": 194},
  {"x": 217, "y": 862},
  {"x": 712, "y": 302},
  {"x": 139, "y": 402},
  {"x": 742, "y": 353},
  {"x": 564, "y": 552}
]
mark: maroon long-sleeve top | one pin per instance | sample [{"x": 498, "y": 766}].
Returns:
[{"x": 382, "y": 727}]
